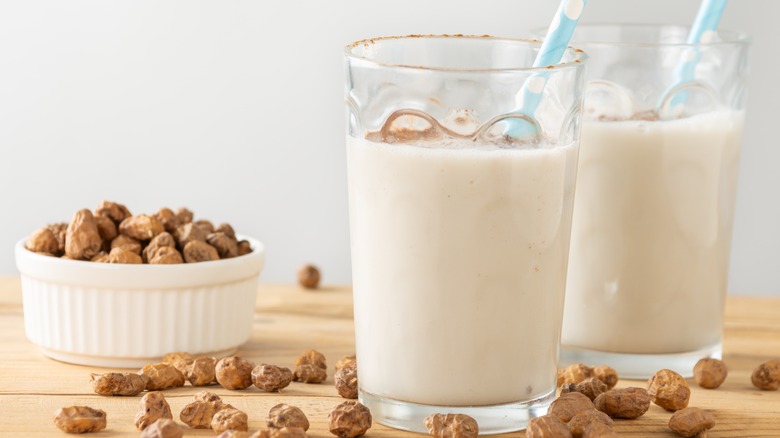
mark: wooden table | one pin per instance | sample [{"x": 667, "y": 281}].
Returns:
[{"x": 290, "y": 320}]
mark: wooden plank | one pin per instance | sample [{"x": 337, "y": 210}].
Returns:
[{"x": 290, "y": 320}]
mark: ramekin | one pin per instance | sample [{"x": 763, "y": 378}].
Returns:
[{"x": 117, "y": 315}]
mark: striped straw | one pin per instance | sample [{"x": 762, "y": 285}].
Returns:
[{"x": 558, "y": 35}]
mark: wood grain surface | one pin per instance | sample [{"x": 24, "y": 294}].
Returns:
[{"x": 290, "y": 320}]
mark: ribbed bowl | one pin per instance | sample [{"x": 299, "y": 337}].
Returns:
[{"x": 118, "y": 315}]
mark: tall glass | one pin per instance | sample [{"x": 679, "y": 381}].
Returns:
[
  {"x": 459, "y": 232},
  {"x": 654, "y": 201}
]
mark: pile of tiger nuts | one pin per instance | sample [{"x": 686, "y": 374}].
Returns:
[
  {"x": 111, "y": 234},
  {"x": 208, "y": 411}
]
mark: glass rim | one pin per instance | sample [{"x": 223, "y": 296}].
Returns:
[
  {"x": 578, "y": 61},
  {"x": 729, "y": 37}
]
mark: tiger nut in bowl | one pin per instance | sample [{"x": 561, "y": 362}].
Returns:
[{"x": 128, "y": 315}]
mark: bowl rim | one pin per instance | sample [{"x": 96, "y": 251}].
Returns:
[{"x": 144, "y": 276}]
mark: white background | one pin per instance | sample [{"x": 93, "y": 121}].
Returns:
[{"x": 234, "y": 109}]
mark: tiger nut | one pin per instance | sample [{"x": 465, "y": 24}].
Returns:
[
  {"x": 568, "y": 405},
  {"x": 349, "y": 419},
  {"x": 229, "y": 418},
  {"x": 284, "y": 415},
  {"x": 691, "y": 421},
  {"x": 625, "y": 403},
  {"x": 590, "y": 387},
  {"x": 574, "y": 373},
  {"x": 271, "y": 378},
  {"x": 42, "y": 241},
  {"x": 118, "y": 383},
  {"x": 310, "y": 368},
  {"x": 767, "y": 375},
  {"x": 199, "y": 413},
  {"x": 451, "y": 426},
  {"x": 162, "y": 376},
  {"x": 234, "y": 372},
  {"x": 141, "y": 227},
  {"x": 309, "y": 276},
  {"x": 582, "y": 420},
  {"x": 80, "y": 419},
  {"x": 669, "y": 390},
  {"x": 82, "y": 240},
  {"x": 163, "y": 428},
  {"x": 346, "y": 381},
  {"x": 547, "y": 426},
  {"x": 112, "y": 210},
  {"x": 197, "y": 251},
  {"x": 710, "y": 373},
  {"x": 153, "y": 407},
  {"x": 607, "y": 375}
]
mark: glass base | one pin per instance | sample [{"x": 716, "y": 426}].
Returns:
[
  {"x": 639, "y": 366},
  {"x": 491, "y": 419}
]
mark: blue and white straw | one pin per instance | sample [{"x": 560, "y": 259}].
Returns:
[
  {"x": 558, "y": 35},
  {"x": 703, "y": 31}
]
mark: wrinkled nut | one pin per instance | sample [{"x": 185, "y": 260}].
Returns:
[
  {"x": 106, "y": 229},
  {"x": 582, "y": 420},
  {"x": 625, "y": 403},
  {"x": 568, "y": 405},
  {"x": 101, "y": 257},
  {"x": 141, "y": 227},
  {"x": 285, "y": 432},
  {"x": 112, "y": 210},
  {"x": 451, "y": 426},
  {"x": 346, "y": 381},
  {"x": 244, "y": 247},
  {"x": 80, "y": 419},
  {"x": 284, "y": 415},
  {"x": 164, "y": 239},
  {"x": 198, "y": 413},
  {"x": 691, "y": 421},
  {"x": 205, "y": 225},
  {"x": 229, "y": 418},
  {"x": 227, "y": 229},
  {"x": 201, "y": 371},
  {"x": 767, "y": 375},
  {"x": 311, "y": 367},
  {"x": 180, "y": 360},
  {"x": 344, "y": 361},
  {"x": 82, "y": 240},
  {"x": 162, "y": 376},
  {"x": 227, "y": 247},
  {"x": 607, "y": 375},
  {"x": 153, "y": 407},
  {"x": 197, "y": 251},
  {"x": 669, "y": 390},
  {"x": 118, "y": 383},
  {"x": 126, "y": 243},
  {"x": 59, "y": 230},
  {"x": 167, "y": 219},
  {"x": 599, "y": 430},
  {"x": 166, "y": 256},
  {"x": 547, "y": 426},
  {"x": 271, "y": 378},
  {"x": 42, "y": 240},
  {"x": 120, "y": 255},
  {"x": 184, "y": 216},
  {"x": 709, "y": 373},
  {"x": 349, "y": 419},
  {"x": 574, "y": 373},
  {"x": 189, "y": 232},
  {"x": 234, "y": 372},
  {"x": 309, "y": 276},
  {"x": 163, "y": 428},
  {"x": 237, "y": 434},
  {"x": 590, "y": 387}
]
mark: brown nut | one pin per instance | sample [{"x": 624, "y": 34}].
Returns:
[
  {"x": 582, "y": 420},
  {"x": 205, "y": 225},
  {"x": 180, "y": 360},
  {"x": 344, "y": 361},
  {"x": 164, "y": 239},
  {"x": 349, "y": 419},
  {"x": 82, "y": 240},
  {"x": 141, "y": 227},
  {"x": 599, "y": 430},
  {"x": 767, "y": 375},
  {"x": 227, "y": 229},
  {"x": 197, "y": 251},
  {"x": 167, "y": 219},
  {"x": 42, "y": 240},
  {"x": 346, "y": 381},
  {"x": 309, "y": 276},
  {"x": 625, "y": 403},
  {"x": 710, "y": 373},
  {"x": 126, "y": 243},
  {"x": 234, "y": 372},
  {"x": 227, "y": 247},
  {"x": 284, "y": 415},
  {"x": 230, "y": 433},
  {"x": 59, "y": 230},
  {"x": 153, "y": 407},
  {"x": 244, "y": 247},
  {"x": 574, "y": 373},
  {"x": 101, "y": 257},
  {"x": 120, "y": 255},
  {"x": 184, "y": 216},
  {"x": 166, "y": 256},
  {"x": 80, "y": 419},
  {"x": 590, "y": 387},
  {"x": 285, "y": 432},
  {"x": 162, "y": 376},
  {"x": 163, "y": 428},
  {"x": 607, "y": 375},
  {"x": 691, "y": 421},
  {"x": 451, "y": 426},
  {"x": 547, "y": 426},
  {"x": 112, "y": 210},
  {"x": 201, "y": 410},
  {"x": 311, "y": 367},
  {"x": 271, "y": 378},
  {"x": 568, "y": 405},
  {"x": 106, "y": 230},
  {"x": 229, "y": 418},
  {"x": 669, "y": 390},
  {"x": 118, "y": 383},
  {"x": 201, "y": 371}
]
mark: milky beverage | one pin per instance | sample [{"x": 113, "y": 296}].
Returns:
[
  {"x": 459, "y": 262},
  {"x": 651, "y": 234}
]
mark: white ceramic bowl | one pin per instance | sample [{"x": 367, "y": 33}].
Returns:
[{"x": 117, "y": 315}]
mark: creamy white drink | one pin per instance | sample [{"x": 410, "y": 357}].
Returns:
[
  {"x": 651, "y": 234},
  {"x": 459, "y": 263}
]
